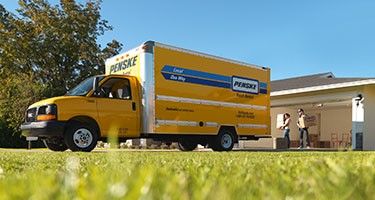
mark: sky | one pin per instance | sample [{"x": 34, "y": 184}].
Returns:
[{"x": 292, "y": 37}]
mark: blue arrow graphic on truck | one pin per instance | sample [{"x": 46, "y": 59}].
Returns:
[
  {"x": 197, "y": 77},
  {"x": 203, "y": 78}
]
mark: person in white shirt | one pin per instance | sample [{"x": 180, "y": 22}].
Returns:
[
  {"x": 286, "y": 128},
  {"x": 302, "y": 129}
]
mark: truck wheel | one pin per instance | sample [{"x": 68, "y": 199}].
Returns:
[
  {"x": 81, "y": 137},
  {"x": 187, "y": 146},
  {"x": 224, "y": 141},
  {"x": 55, "y": 145}
]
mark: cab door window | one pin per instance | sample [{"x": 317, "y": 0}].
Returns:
[{"x": 116, "y": 88}]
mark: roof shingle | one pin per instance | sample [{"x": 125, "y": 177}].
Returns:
[{"x": 310, "y": 81}]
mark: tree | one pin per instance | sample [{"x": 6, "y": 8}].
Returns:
[
  {"x": 57, "y": 43},
  {"x": 47, "y": 49}
]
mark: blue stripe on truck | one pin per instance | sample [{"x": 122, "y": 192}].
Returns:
[
  {"x": 263, "y": 85},
  {"x": 194, "y": 73},
  {"x": 203, "y": 78},
  {"x": 188, "y": 79},
  {"x": 263, "y": 91}
]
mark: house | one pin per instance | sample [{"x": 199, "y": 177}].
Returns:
[{"x": 344, "y": 109}]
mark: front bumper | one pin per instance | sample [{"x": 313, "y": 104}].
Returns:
[{"x": 43, "y": 129}]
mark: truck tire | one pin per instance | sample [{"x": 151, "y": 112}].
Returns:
[
  {"x": 187, "y": 146},
  {"x": 224, "y": 141},
  {"x": 55, "y": 145},
  {"x": 81, "y": 137}
]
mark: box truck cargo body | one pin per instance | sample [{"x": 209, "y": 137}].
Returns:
[{"x": 170, "y": 94}]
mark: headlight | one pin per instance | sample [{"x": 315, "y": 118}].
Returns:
[{"x": 47, "y": 113}]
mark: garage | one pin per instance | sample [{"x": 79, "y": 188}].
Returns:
[{"x": 344, "y": 109}]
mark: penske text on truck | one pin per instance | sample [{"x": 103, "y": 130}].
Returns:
[{"x": 160, "y": 92}]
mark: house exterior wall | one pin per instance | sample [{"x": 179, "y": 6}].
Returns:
[
  {"x": 369, "y": 124},
  {"x": 309, "y": 98}
]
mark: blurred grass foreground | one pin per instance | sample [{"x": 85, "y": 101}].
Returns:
[{"x": 193, "y": 175}]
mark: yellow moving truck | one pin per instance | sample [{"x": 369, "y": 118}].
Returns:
[{"x": 161, "y": 92}]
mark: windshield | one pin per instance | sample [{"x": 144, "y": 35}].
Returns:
[{"x": 84, "y": 87}]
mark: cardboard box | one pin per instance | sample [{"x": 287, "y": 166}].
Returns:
[
  {"x": 310, "y": 120},
  {"x": 279, "y": 121},
  {"x": 280, "y": 143}
]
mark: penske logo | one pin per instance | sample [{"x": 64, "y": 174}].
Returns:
[
  {"x": 125, "y": 64},
  {"x": 245, "y": 85}
]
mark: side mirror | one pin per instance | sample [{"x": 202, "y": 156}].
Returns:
[{"x": 96, "y": 86}]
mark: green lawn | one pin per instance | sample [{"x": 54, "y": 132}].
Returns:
[{"x": 180, "y": 175}]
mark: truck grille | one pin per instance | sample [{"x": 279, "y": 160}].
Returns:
[{"x": 31, "y": 115}]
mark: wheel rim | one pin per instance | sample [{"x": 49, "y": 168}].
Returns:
[
  {"x": 82, "y": 138},
  {"x": 226, "y": 141}
]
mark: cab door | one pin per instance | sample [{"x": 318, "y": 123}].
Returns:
[{"x": 118, "y": 111}]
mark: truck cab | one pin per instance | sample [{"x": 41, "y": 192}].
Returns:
[{"x": 98, "y": 108}]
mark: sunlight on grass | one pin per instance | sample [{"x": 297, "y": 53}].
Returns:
[{"x": 181, "y": 175}]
